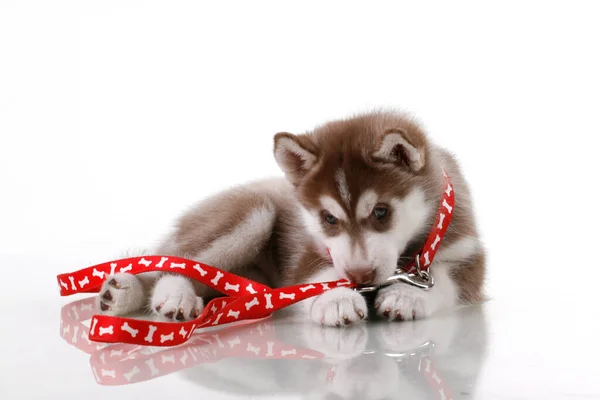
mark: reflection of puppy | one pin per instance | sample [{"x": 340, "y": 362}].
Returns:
[
  {"x": 360, "y": 195},
  {"x": 389, "y": 361}
]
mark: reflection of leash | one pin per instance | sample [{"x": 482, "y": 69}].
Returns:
[
  {"x": 244, "y": 300},
  {"x": 123, "y": 364}
]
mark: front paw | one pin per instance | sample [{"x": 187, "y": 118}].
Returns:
[
  {"x": 174, "y": 297},
  {"x": 121, "y": 294},
  {"x": 337, "y": 307},
  {"x": 402, "y": 302}
]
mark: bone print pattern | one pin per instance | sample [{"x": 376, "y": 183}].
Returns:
[
  {"x": 123, "y": 364},
  {"x": 245, "y": 299}
]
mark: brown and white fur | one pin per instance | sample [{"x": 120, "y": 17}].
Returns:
[{"x": 359, "y": 195}]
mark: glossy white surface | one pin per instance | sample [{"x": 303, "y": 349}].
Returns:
[{"x": 543, "y": 348}]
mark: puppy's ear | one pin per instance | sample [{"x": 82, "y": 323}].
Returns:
[
  {"x": 398, "y": 148},
  {"x": 295, "y": 155}
]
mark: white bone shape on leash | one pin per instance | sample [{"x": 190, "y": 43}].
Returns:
[
  {"x": 447, "y": 206},
  {"x": 144, "y": 262},
  {"x": 75, "y": 313},
  {"x": 134, "y": 371},
  {"x": 153, "y": 370},
  {"x": 99, "y": 274},
  {"x": 162, "y": 262},
  {"x": 290, "y": 296},
  {"x": 442, "y": 394},
  {"x": 127, "y": 268},
  {"x": 133, "y": 332},
  {"x": 164, "y": 359},
  {"x": 177, "y": 265},
  {"x": 105, "y": 330},
  {"x": 270, "y": 349},
  {"x": 235, "y": 288},
  {"x": 217, "y": 278},
  {"x": 72, "y": 283},
  {"x": 86, "y": 307},
  {"x": 182, "y": 332},
  {"x": 448, "y": 190},
  {"x": 234, "y": 342},
  {"x": 250, "y": 289},
  {"x": 151, "y": 331},
  {"x": 93, "y": 328},
  {"x": 116, "y": 353},
  {"x": 218, "y": 339},
  {"x": 285, "y": 353},
  {"x": 200, "y": 270},
  {"x": 251, "y": 304},
  {"x": 435, "y": 242},
  {"x": 75, "y": 331},
  {"x": 304, "y": 289},
  {"x": 84, "y": 282},
  {"x": 252, "y": 349},
  {"x": 441, "y": 223},
  {"x": 325, "y": 286},
  {"x": 63, "y": 284},
  {"x": 268, "y": 299},
  {"x": 166, "y": 338},
  {"x": 234, "y": 314},
  {"x": 110, "y": 373},
  {"x": 426, "y": 257},
  {"x": 436, "y": 378},
  {"x": 183, "y": 359},
  {"x": 218, "y": 318},
  {"x": 113, "y": 268}
]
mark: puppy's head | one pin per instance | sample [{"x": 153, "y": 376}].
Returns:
[{"x": 367, "y": 188}]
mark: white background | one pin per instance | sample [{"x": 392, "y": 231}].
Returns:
[{"x": 116, "y": 116}]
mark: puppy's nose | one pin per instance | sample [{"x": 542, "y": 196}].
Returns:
[{"x": 361, "y": 276}]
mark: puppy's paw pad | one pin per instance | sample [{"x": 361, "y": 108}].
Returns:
[
  {"x": 401, "y": 302},
  {"x": 174, "y": 298},
  {"x": 120, "y": 294},
  {"x": 339, "y": 307}
]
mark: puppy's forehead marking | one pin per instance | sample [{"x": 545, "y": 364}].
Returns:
[
  {"x": 342, "y": 186},
  {"x": 333, "y": 207},
  {"x": 365, "y": 204}
]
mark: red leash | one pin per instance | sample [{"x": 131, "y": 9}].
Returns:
[{"x": 245, "y": 299}]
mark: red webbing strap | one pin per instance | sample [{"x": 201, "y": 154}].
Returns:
[
  {"x": 438, "y": 230},
  {"x": 122, "y": 364},
  {"x": 245, "y": 299}
]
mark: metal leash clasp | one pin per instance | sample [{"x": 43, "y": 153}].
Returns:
[{"x": 422, "y": 279}]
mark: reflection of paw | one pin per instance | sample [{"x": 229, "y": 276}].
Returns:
[
  {"x": 338, "y": 307},
  {"x": 121, "y": 294},
  {"x": 174, "y": 297},
  {"x": 337, "y": 343},
  {"x": 402, "y": 302}
]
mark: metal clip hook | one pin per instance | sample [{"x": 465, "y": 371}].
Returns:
[{"x": 422, "y": 280}]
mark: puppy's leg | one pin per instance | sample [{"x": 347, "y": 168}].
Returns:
[
  {"x": 336, "y": 307},
  {"x": 229, "y": 232},
  {"x": 125, "y": 293},
  {"x": 456, "y": 281}
]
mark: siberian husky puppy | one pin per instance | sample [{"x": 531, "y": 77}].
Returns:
[{"x": 359, "y": 197}]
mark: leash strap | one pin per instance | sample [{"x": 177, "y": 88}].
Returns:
[
  {"x": 245, "y": 299},
  {"x": 422, "y": 261}
]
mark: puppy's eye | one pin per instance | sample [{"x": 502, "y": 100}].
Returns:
[
  {"x": 380, "y": 212},
  {"x": 330, "y": 219}
]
